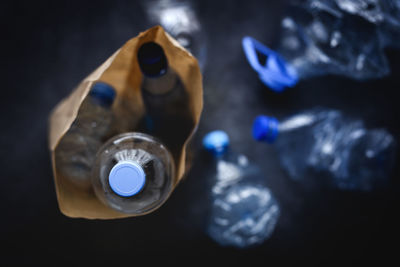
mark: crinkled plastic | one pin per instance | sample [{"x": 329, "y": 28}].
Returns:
[
  {"x": 243, "y": 211},
  {"x": 319, "y": 37},
  {"x": 383, "y": 13},
  {"x": 244, "y": 216},
  {"x": 325, "y": 147}
]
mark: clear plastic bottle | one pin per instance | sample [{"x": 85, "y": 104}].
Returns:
[
  {"x": 75, "y": 154},
  {"x": 180, "y": 20},
  {"x": 243, "y": 212},
  {"x": 324, "y": 147},
  {"x": 168, "y": 112},
  {"x": 318, "y": 38},
  {"x": 133, "y": 173}
]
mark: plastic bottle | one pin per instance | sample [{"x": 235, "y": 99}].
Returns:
[
  {"x": 75, "y": 154},
  {"x": 180, "y": 20},
  {"x": 167, "y": 104},
  {"x": 324, "y": 147},
  {"x": 133, "y": 173},
  {"x": 318, "y": 38},
  {"x": 243, "y": 212}
]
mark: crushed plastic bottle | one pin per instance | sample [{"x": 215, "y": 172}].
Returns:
[
  {"x": 75, "y": 154},
  {"x": 180, "y": 20},
  {"x": 318, "y": 39},
  {"x": 244, "y": 212},
  {"x": 324, "y": 147}
]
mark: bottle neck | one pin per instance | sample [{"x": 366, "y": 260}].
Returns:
[
  {"x": 219, "y": 153},
  {"x": 160, "y": 85},
  {"x": 102, "y": 94},
  {"x": 152, "y": 60}
]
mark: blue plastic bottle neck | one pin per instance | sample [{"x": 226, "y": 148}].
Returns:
[
  {"x": 265, "y": 129},
  {"x": 277, "y": 73}
]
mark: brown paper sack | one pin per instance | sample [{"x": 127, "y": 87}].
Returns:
[{"x": 122, "y": 72}]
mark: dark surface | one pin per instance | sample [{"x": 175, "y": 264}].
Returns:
[{"x": 48, "y": 47}]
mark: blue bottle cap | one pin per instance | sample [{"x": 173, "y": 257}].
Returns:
[
  {"x": 216, "y": 142},
  {"x": 127, "y": 178},
  {"x": 265, "y": 129},
  {"x": 102, "y": 94},
  {"x": 152, "y": 59},
  {"x": 277, "y": 74}
]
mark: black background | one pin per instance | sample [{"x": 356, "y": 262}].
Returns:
[{"x": 47, "y": 48}]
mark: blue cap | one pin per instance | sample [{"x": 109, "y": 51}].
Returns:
[
  {"x": 216, "y": 142},
  {"x": 152, "y": 60},
  {"x": 127, "y": 178},
  {"x": 277, "y": 74},
  {"x": 102, "y": 94},
  {"x": 265, "y": 129}
]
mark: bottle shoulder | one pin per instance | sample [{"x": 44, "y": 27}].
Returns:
[{"x": 235, "y": 169}]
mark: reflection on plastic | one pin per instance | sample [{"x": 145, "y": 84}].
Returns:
[{"x": 337, "y": 151}]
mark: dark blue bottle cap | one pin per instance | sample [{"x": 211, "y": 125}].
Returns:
[
  {"x": 265, "y": 129},
  {"x": 217, "y": 142},
  {"x": 277, "y": 74},
  {"x": 102, "y": 94},
  {"x": 152, "y": 59}
]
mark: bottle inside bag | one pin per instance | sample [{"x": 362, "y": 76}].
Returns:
[
  {"x": 168, "y": 113},
  {"x": 75, "y": 154},
  {"x": 133, "y": 173}
]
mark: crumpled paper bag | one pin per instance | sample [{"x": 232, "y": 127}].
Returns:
[{"x": 122, "y": 72}]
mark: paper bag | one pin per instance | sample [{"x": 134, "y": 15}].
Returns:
[{"x": 122, "y": 72}]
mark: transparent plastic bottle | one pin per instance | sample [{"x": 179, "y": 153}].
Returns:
[
  {"x": 243, "y": 211},
  {"x": 75, "y": 154},
  {"x": 180, "y": 20},
  {"x": 324, "y": 147},
  {"x": 168, "y": 113},
  {"x": 133, "y": 173},
  {"x": 318, "y": 38}
]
